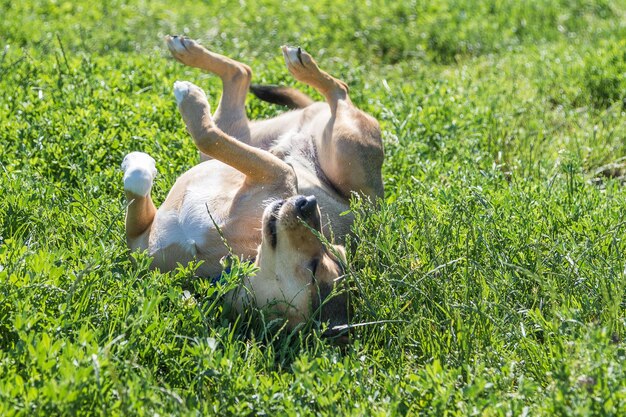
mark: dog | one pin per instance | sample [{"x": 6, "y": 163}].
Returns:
[{"x": 269, "y": 188}]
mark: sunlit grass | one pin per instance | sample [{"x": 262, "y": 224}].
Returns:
[{"x": 491, "y": 278}]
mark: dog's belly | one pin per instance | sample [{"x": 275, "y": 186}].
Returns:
[{"x": 209, "y": 194}]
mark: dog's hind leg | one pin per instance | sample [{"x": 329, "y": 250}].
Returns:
[
  {"x": 230, "y": 115},
  {"x": 350, "y": 149},
  {"x": 259, "y": 166},
  {"x": 139, "y": 172},
  {"x": 304, "y": 69}
]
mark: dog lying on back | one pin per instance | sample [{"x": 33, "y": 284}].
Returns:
[{"x": 268, "y": 185}]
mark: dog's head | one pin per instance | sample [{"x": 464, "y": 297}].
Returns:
[{"x": 299, "y": 277}]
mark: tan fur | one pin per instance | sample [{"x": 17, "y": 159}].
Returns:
[{"x": 330, "y": 150}]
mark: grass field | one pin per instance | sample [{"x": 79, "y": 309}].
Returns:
[{"x": 494, "y": 270}]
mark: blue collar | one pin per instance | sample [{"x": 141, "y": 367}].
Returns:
[{"x": 221, "y": 278}]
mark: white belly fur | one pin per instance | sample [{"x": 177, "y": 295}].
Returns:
[
  {"x": 186, "y": 224},
  {"x": 183, "y": 230}
]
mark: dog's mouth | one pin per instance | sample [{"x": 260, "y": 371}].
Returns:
[{"x": 291, "y": 213}]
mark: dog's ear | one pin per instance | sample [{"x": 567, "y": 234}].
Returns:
[{"x": 339, "y": 252}]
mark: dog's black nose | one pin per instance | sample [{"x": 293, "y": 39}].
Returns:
[{"x": 306, "y": 205}]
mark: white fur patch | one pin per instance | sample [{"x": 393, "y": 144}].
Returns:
[
  {"x": 139, "y": 172},
  {"x": 169, "y": 231},
  {"x": 189, "y": 225},
  {"x": 177, "y": 44},
  {"x": 181, "y": 90},
  {"x": 291, "y": 55}
]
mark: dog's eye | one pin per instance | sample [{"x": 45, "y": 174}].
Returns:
[
  {"x": 313, "y": 266},
  {"x": 271, "y": 223}
]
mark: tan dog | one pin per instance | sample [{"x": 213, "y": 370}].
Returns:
[{"x": 250, "y": 188}]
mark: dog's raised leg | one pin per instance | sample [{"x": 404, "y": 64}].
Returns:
[
  {"x": 230, "y": 115},
  {"x": 304, "y": 69},
  {"x": 139, "y": 172},
  {"x": 259, "y": 166},
  {"x": 350, "y": 149}
]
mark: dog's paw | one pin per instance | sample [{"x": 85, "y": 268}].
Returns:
[
  {"x": 184, "y": 90},
  {"x": 194, "y": 107},
  {"x": 176, "y": 43},
  {"x": 139, "y": 172},
  {"x": 192, "y": 104},
  {"x": 181, "y": 90},
  {"x": 298, "y": 61},
  {"x": 190, "y": 97},
  {"x": 185, "y": 50},
  {"x": 304, "y": 69}
]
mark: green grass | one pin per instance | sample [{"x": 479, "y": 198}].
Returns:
[{"x": 494, "y": 270}]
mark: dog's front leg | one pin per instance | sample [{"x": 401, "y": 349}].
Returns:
[
  {"x": 230, "y": 115},
  {"x": 259, "y": 166}
]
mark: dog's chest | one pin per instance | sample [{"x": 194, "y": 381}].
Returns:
[
  {"x": 187, "y": 227},
  {"x": 212, "y": 201},
  {"x": 186, "y": 220}
]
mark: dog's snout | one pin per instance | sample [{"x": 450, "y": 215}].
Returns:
[{"x": 306, "y": 205}]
